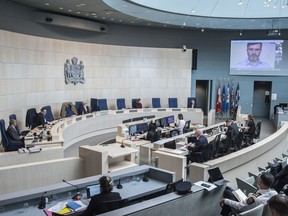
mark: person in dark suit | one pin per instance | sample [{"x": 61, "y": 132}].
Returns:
[
  {"x": 40, "y": 118},
  {"x": 83, "y": 108},
  {"x": 96, "y": 205},
  {"x": 13, "y": 134},
  {"x": 231, "y": 135},
  {"x": 198, "y": 146},
  {"x": 281, "y": 180}
]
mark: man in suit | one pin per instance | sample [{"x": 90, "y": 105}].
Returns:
[
  {"x": 231, "y": 135},
  {"x": 13, "y": 134},
  {"x": 83, "y": 108},
  {"x": 198, "y": 146},
  {"x": 40, "y": 118},
  {"x": 281, "y": 180},
  {"x": 96, "y": 205}
]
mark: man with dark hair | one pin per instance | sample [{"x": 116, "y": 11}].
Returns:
[
  {"x": 40, "y": 118},
  {"x": 264, "y": 182},
  {"x": 96, "y": 204},
  {"x": 253, "y": 61},
  {"x": 231, "y": 135},
  {"x": 278, "y": 205}
]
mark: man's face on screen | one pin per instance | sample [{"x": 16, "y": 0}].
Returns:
[{"x": 253, "y": 52}]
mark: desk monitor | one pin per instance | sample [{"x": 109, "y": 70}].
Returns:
[
  {"x": 163, "y": 122},
  {"x": 192, "y": 139},
  {"x": 92, "y": 190},
  {"x": 142, "y": 128},
  {"x": 170, "y": 144},
  {"x": 132, "y": 129},
  {"x": 170, "y": 119},
  {"x": 158, "y": 123}
]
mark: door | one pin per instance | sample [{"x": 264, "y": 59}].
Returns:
[
  {"x": 261, "y": 98},
  {"x": 202, "y": 95}
]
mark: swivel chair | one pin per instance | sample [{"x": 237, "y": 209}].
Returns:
[
  {"x": 156, "y": 103},
  {"x": 173, "y": 102},
  {"x": 8, "y": 145},
  {"x": 49, "y": 115},
  {"x": 102, "y": 104},
  {"x": 121, "y": 103}
]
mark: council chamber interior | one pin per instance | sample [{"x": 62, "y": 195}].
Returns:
[{"x": 166, "y": 67}]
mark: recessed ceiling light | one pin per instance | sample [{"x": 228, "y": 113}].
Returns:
[
  {"x": 148, "y": 24},
  {"x": 202, "y": 30},
  {"x": 103, "y": 17},
  {"x": 120, "y": 20},
  {"x": 132, "y": 21},
  {"x": 93, "y": 14},
  {"x": 69, "y": 10},
  {"x": 78, "y": 12},
  {"x": 111, "y": 18},
  {"x": 61, "y": 8},
  {"x": 47, "y": 4}
]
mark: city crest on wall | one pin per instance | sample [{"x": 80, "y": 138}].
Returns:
[{"x": 74, "y": 73}]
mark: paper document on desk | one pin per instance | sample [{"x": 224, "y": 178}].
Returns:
[
  {"x": 183, "y": 148},
  {"x": 206, "y": 185}
]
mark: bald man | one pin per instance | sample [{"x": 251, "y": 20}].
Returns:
[{"x": 198, "y": 146}]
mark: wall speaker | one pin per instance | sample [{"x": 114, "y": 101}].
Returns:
[{"x": 194, "y": 59}]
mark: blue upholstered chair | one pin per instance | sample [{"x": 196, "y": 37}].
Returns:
[
  {"x": 156, "y": 103},
  {"x": 49, "y": 115},
  {"x": 102, "y": 104},
  {"x": 172, "y": 102},
  {"x": 134, "y": 102},
  {"x": 121, "y": 103},
  {"x": 7, "y": 144},
  {"x": 94, "y": 104},
  {"x": 25, "y": 132}
]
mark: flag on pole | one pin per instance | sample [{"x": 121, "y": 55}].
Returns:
[
  {"x": 228, "y": 99},
  {"x": 224, "y": 98},
  {"x": 218, "y": 101},
  {"x": 237, "y": 97},
  {"x": 232, "y": 99}
]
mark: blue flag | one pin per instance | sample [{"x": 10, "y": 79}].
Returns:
[{"x": 223, "y": 98}]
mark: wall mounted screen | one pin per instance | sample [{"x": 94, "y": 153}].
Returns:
[{"x": 259, "y": 57}]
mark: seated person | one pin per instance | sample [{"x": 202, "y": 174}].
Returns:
[
  {"x": 13, "y": 134},
  {"x": 231, "y": 135},
  {"x": 249, "y": 130},
  {"x": 153, "y": 134},
  {"x": 278, "y": 205},
  {"x": 96, "y": 203},
  {"x": 281, "y": 179},
  {"x": 264, "y": 182},
  {"x": 180, "y": 123},
  {"x": 198, "y": 146},
  {"x": 138, "y": 104},
  {"x": 83, "y": 108},
  {"x": 40, "y": 118}
]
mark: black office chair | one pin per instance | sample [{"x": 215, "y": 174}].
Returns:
[
  {"x": 216, "y": 146},
  {"x": 186, "y": 127},
  {"x": 113, "y": 205},
  {"x": 30, "y": 117},
  {"x": 204, "y": 155},
  {"x": 257, "y": 130}
]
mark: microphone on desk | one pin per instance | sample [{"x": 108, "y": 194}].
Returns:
[
  {"x": 42, "y": 203},
  {"x": 78, "y": 194},
  {"x": 122, "y": 144},
  {"x": 119, "y": 186}
]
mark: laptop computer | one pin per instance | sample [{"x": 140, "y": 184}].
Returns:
[
  {"x": 216, "y": 176},
  {"x": 92, "y": 190}
]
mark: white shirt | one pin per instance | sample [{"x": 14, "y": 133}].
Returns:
[{"x": 180, "y": 125}]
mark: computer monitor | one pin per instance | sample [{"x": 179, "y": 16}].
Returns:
[
  {"x": 92, "y": 190},
  {"x": 163, "y": 122},
  {"x": 158, "y": 123},
  {"x": 142, "y": 128},
  {"x": 170, "y": 119},
  {"x": 170, "y": 144},
  {"x": 132, "y": 129}
]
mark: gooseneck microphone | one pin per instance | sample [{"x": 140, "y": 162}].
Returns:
[
  {"x": 122, "y": 145},
  {"x": 78, "y": 194},
  {"x": 119, "y": 186},
  {"x": 42, "y": 203},
  {"x": 145, "y": 178}
]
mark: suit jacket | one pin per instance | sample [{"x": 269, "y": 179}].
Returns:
[
  {"x": 82, "y": 110},
  {"x": 96, "y": 203},
  {"x": 235, "y": 131},
  {"x": 199, "y": 144},
  {"x": 13, "y": 134}
]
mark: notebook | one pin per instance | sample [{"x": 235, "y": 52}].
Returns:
[{"x": 216, "y": 176}]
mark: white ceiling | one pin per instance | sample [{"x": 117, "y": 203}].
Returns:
[{"x": 212, "y": 14}]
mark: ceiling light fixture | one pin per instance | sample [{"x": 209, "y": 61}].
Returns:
[
  {"x": 240, "y": 2},
  {"x": 202, "y": 30}
]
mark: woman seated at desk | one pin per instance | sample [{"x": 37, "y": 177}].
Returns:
[
  {"x": 153, "y": 134},
  {"x": 138, "y": 104},
  {"x": 96, "y": 205}
]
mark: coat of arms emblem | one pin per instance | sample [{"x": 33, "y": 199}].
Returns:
[{"x": 74, "y": 72}]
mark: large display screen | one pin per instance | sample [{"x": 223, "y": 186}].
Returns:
[{"x": 259, "y": 57}]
